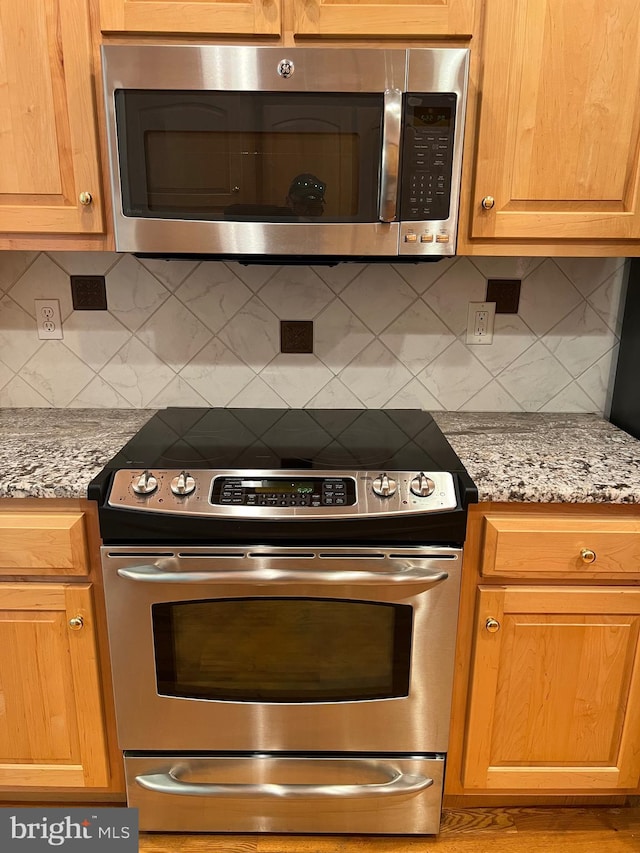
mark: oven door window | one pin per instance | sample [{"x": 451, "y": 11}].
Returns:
[
  {"x": 282, "y": 649},
  {"x": 247, "y": 156}
]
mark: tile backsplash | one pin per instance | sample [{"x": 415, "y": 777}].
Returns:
[{"x": 191, "y": 333}]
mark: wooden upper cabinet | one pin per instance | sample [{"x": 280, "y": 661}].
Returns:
[
  {"x": 559, "y": 134},
  {"x": 218, "y": 17},
  {"x": 383, "y": 17},
  {"x": 48, "y": 138}
]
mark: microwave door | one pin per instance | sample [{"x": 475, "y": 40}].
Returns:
[{"x": 390, "y": 161}]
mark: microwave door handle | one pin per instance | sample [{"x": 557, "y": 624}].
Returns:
[
  {"x": 154, "y": 574},
  {"x": 390, "y": 167}
]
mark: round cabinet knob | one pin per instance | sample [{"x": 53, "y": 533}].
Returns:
[
  {"x": 183, "y": 485},
  {"x": 422, "y": 486},
  {"x": 76, "y": 623},
  {"x": 85, "y": 198},
  {"x": 488, "y": 202},
  {"x": 587, "y": 555},
  {"x": 146, "y": 484},
  {"x": 384, "y": 486},
  {"x": 492, "y": 625}
]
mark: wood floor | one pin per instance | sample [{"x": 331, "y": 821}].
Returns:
[{"x": 482, "y": 830}]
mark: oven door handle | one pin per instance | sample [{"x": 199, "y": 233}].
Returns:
[
  {"x": 154, "y": 574},
  {"x": 398, "y": 783},
  {"x": 390, "y": 166}
]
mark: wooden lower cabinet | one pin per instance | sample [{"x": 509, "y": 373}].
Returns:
[
  {"x": 52, "y": 726},
  {"x": 555, "y": 690},
  {"x": 546, "y": 697}
]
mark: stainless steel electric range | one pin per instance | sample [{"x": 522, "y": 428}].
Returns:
[{"x": 282, "y": 591}]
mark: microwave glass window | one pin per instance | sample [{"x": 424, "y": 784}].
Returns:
[
  {"x": 249, "y": 156},
  {"x": 282, "y": 649}
]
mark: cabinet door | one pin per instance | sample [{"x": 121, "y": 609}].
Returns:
[
  {"x": 225, "y": 17},
  {"x": 555, "y": 690},
  {"x": 383, "y": 17},
  {"x": 52, "y": 731},
  {"x": 48, "y": 141},
  {"x": 558, "y": 143}
]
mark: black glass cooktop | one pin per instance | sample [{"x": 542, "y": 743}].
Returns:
[{"x": 272, "y": 439}]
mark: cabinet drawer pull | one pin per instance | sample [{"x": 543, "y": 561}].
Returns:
[
  {"x": 488, "y": 202},
  {"x": 492, "y": 625},
  {"x": 85, "y": 198},
  {"x": 76, "y": 623},
  {"x": 587, "y": 555}
]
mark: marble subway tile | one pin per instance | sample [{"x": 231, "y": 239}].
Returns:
[
  {"x": 133, "y": 293},
  {"x": 455, "y": 376},
  {"x": 546, "y": 296},
  {"x": 375, "y": 375},
  {"x": 137, "y": 373},
  {"x": 296, "y": 378},
  {"x": 253, "y": 334},
  {"x": 174, "y": 333},
  {"x": 296, "y": 293},
  {"x": 213, "y": 294},
  {"x": 56, "y": 373},
  {"x": 339, "y": 335},
  {"x": 217, "y": 374},
  {"x": 378, "y": 295},
  {"x": 449, "y": 297},
  {"x": 393, "y": 333},
  {"x": 535, "y": 378}
]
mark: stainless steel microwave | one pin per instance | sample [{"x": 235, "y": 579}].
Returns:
[{"x": 291, "y": 153}]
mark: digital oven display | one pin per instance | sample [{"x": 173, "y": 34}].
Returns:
[{"x": 284, "y": 491}]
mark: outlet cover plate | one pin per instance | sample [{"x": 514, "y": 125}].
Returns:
[
  {"x": 48, "y": 319},
  {"x": 480, "y": 322}
]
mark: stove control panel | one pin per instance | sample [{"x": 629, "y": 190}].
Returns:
[{"x": 278, "y": 494}]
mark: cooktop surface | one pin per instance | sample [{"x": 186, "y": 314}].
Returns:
[
  {"x": 269, "y": 439},
  {"x": 227, "y": 475}
]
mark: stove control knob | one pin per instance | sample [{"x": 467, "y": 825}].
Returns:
[
  {"x": 146, "y": 484},
  {"x": 384, "y": 486},
  {"x": 422, "y": 486},
  {"x": 183, "y": 484}
]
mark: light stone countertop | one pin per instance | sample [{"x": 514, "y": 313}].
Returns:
[
  {"x": 555, "y": 457},
  {"x": 54, "y": 453}
]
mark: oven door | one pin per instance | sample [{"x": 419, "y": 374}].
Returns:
[{"x": 282, "y": 648}]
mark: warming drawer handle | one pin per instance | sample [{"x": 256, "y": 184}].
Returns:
[
  {"x": 170, "y": 783},
  {"x": 153, "y": 574}
]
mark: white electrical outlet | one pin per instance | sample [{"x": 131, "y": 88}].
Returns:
[
  {"x": 480, "y": 322},
  {"x": 48, "y": 319}
]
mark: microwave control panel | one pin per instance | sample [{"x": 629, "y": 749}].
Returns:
[{"x": 429, "y": 122}]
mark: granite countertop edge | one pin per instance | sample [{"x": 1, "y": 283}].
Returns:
[{"x": 512, "y": 456}]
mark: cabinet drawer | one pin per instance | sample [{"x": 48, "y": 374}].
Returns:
[
  {"x": 548, "y": 546},
  {"x": 43, "y": 543}
]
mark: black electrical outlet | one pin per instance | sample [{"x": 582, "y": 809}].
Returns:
[
  {"x": 505, "y": 292},
  {"x": 88, "y": 292},
  {"x": 296, "y": 336}
]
